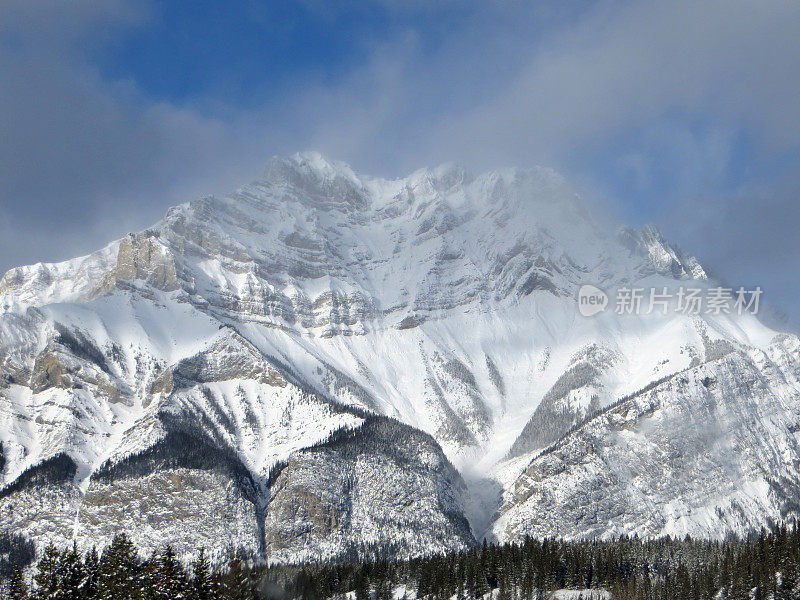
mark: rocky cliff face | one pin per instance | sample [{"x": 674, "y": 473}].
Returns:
[
  {"x": 706, "y": 450},
  {"x": 382, "y": 488},
  {"x": 314, "y": 298},
  {"x": 172, "y": 487}
]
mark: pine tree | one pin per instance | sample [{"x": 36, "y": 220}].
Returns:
[
  {"x": 234, "y": 583},
  {"x": 17, "y": 589},
  {"x": 91, "y": 565},
  {"x": 47, "y": 578},
  {"x": 362, "y": 586},
  {"x": 72, "y": 576},
  {"x": 202, "y": 588},
  {"x": 789, "y": 577},
  {"x": 119, "y": 571},
  {"x": 504, "y": 593},
  {"x": 170, "y": 580},
  {"x": 383, "y": 590}
]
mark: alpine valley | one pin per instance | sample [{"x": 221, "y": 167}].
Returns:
[{"x": 326, "y": 365}]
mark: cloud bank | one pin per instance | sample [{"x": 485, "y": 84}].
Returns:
[{"x": 679, "y": 112}]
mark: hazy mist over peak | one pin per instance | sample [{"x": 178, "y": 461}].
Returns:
[{"x": 678, "y": 113}]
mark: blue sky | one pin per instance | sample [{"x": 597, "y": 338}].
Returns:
[
  {"x": 679, "y": 113},
  {"x": 240, "y": 53}
]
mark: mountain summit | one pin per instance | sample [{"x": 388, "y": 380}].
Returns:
[{"x": 323, "y": 364}]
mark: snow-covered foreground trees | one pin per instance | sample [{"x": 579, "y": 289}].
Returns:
[{"x": 764, "y": 566}]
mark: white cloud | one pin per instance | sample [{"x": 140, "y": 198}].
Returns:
[
  {"x": 625, "y": 65},
  {"x": 652, "y": 91}
]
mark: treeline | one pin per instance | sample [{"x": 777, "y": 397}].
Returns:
[
  {"x": 119, "y": 573},
  {"x": 15, "y": 550},
  {"x": 762, "y": 567},
  {"x": 765, "y": 566}
]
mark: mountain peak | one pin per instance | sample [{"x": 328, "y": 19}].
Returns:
[
  {"x": 249, "y": 327},
  {"x": 309, "y": 166},
  {"x": 666, "y": 257}
]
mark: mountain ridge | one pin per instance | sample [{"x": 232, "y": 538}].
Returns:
[{"x": 301, "y": 303}]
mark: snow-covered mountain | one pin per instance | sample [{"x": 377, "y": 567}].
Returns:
[{"x": 325, "y": 364}]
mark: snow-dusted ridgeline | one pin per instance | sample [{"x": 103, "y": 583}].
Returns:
[{"x": 257, "y": 324}]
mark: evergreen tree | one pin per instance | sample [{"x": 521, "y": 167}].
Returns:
[
  {"x": 72, "y": 576},
  {"x": 383, "y": 590},
  {"x": 169, "y": 582},
  {"x": 202, "y": 586},
  {"x": 362, "y": 587},
  {"x": 17, "y": 589},
  {"x": 234, "y": 583},
  {"x": 91, "y": 566},
  {"x": 47, "y": 578},
  {"x": 119, "y": 571}
]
